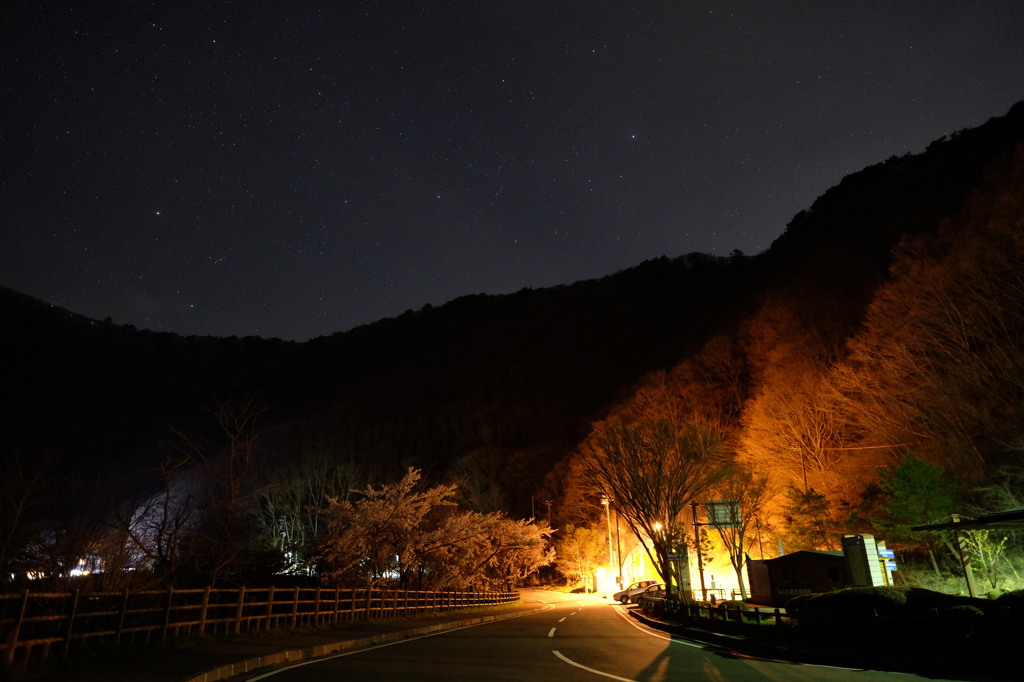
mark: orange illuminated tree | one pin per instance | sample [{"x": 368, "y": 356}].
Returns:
[
  {"x": 654, "y": 470},
  {"x": 751, "y": 493},
  {"x": 938, "y": 366}
]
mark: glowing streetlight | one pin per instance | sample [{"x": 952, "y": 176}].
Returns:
[{"x": 606, "y": 502}]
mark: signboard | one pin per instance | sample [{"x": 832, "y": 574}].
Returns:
[
  {"x": 723, "y": 513},
  {"x": 886, "y": 554},
  {"x": 890, "y": 565}
]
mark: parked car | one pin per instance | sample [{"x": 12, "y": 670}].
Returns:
[
  {"x": 656, "y": 590},
  {"x": 625, "y": 596}
]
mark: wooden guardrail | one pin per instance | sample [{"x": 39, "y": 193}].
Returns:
[
  {"x": 723, "y": 611},
  {"x": 39, "y": 624}
]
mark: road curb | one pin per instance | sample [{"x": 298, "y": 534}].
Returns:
[
  {"x": 768, "y": 651},
  {"x": 718, "y": 639},
  {"x": 230, "y": 670}
]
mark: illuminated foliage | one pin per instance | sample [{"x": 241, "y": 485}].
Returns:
[
  {"x": 654, "y": 470},
  {"x": 939, "y": 366},
  {"x": 289, "y": 497},
  {"x": 399, "y": 533},
  {"x": 987, "y": 549},
  {"x": 752, "y": 493},
  {"x": 809, "y": 523},
  {"x": 377, "y": 536},
  {"x": 579, "y": 551},
  {"x": 793, "y": 431},
  {"x": 914, "y": 492}
]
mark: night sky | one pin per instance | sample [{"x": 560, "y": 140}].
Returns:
[{"x": 292, "y": 169}]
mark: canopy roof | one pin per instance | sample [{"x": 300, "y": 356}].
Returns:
[{"x": 1006, "y": 520}]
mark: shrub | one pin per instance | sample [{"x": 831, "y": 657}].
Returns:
[
  {"x": 1013, "y": 600},
  {"x": 850, "y": 602},
  {"x": 794, "y": 606},
  {"x": 960, "y": 620},
  {"x": 1008, "y": 612},
  {"x": 920, "y": 600}
]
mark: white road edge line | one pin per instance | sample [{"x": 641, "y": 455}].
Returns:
[
  {"x": 653, "y": 633},
  {"x": 660, "y": 635},
  {"x": 590, "y": 670}
]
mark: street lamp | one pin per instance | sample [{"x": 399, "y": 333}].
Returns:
[
  {"x": 666, "y": 569},
  {"x": 606, "y": 502}
]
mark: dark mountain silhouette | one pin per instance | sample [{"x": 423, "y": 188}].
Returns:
[{"x": 516, "y": 379}]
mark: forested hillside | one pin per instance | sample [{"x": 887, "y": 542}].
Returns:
[
  {"x": 885, "y": 319},
  {"x": 874, "y": 365}
]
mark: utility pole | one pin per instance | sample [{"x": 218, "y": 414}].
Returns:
[
  {"x": 696, "y": 543},
  {"x": 607, "y": 502},
  {"x": 618, "y": 554}
]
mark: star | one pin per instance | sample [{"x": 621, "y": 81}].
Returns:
[{"x": 447, "y": 136}]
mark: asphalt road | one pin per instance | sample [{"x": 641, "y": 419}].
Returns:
[{"x": 573, "y": 637}]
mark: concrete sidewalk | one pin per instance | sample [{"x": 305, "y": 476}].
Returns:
[{"x": 210, "y": 659}]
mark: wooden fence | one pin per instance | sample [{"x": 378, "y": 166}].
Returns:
[
  {"x": 723, "y": 612},
  {"x": 38, "y": 624}
]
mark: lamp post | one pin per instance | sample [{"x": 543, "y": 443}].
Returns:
[
  {"x": 618, "y": 555},
  {"x": 606, "y": 502}
]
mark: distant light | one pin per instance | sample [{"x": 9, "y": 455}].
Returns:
[{"x": 80, "y": 569}]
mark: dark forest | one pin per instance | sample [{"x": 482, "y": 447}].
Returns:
[{"x": 876, "y": 345}]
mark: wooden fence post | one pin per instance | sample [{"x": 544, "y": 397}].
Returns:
[
  {"x": 71, "y": 621},
  {"x": 120, "y": 616},
  {"x": 239, "y": 609},
  {"x": 295, "y": 606},
  {"x": 269, "y": 618},
  {"x": 12, "y": 636},
  {"x": 165, "y": 623},
  {"x": 203, "y": 609}
]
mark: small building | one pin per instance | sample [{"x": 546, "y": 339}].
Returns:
[
  {"x": 773, "y": 582},
  {"x": 862, "y": 563}
]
